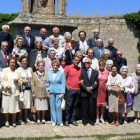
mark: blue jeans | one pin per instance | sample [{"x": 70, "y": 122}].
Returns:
[
  {"x": 55, "y": 108},
  {"x": 71, "y": 104}
]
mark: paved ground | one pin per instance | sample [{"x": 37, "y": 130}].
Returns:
[{"x": 46, "y": 130}]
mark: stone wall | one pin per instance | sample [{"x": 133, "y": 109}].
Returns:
[{"x": 111, "y": 27}]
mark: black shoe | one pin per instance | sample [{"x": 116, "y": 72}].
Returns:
[
  {"x": 92, "y": 124},
  {"x": 85, "y": 124}
]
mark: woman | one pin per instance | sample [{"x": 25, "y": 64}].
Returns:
[
  {"x": 56, "y": 89},
  {"x": 114, "y": 86},
  {"x": 19, "y": 50},
  {"x": 129, "y": 89},
  {"x": 59, "y": 52},
  {"x": 90, "y": 55},
  {"x": 109, "y": 64},
  {"x": 39, "y": 91},
  {"x": 83, "y": 44},
  {"x": 62, "y": 63},
  {"x": 49, "y": 59},
  {"x": 26, "y": 75},
  {"x": 102, "y": 91},
  {"x": 70, "y": 53},
  {"x": 36, "y": 55},
  {"x": 136, "y": 104},
  {"x": 106, "y": 54},
  {"x": 67, "y": 43},
  {"x": 11, "y": 81}
]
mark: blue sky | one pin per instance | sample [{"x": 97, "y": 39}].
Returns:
[{"x": 83, "y": 7}]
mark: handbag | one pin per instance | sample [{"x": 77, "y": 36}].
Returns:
[
  {"x": 129, "y": 100},
  {"x": 121, "y": 99},
  {"x": 33, "y": 108},
  {"x": 63, "y": 104}
]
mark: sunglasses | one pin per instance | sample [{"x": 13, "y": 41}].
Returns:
[{"x": 87, "y": 62}]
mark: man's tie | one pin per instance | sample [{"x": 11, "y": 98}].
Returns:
[{"x": 6, "y": 59}]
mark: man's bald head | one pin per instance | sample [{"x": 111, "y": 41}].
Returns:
[
  {"x": 43, "y": 32},
  {"x": 96, "y": 33},
  {"x": 119, "y": 54},
  {"x": 110, "y": 42}
]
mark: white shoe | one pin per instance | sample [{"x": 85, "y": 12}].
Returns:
[
  {"x": 102, "y": 121},
  {"x": 97, "y": 122},
  {"x": 125, "y": 121},
  {"x": 38, "y": 121},
  {"x": 27, "y": 120},
  {"x": 61, "y": 124},
  {"x": 53, "y": 124},
  {"x": 43, "y": 121},
  {"x": 14, "y": 125}
]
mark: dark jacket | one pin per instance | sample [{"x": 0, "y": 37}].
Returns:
[
  {"x": 32, "y": 43},
  {"x": 112, "y": 51},
  {"x": 9, "y": 39},
  {"x": 33, "y": 55},
  {"x": 89, "y": 83},
  {"x": 119, "y": 64}
]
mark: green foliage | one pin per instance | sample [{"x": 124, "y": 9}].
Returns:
[
  {"x": 134, "y": 19},
  {"x": 5, "y": 18}
]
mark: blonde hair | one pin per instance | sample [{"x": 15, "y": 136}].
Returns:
[
  {"x": 40, "y": 61},
  {"x": 55, "y": 61},
  {"x": 54, "y": 39},
  {"x": 19, "y": 38}
]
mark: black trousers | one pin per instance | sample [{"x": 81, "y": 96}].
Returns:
[{"x": 88, "y": 105}]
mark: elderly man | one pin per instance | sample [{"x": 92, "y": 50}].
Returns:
[
  {"x": 92, "y": 41},
  {"x": 45, "y": 40},
  {"x": 5, "y": 36},
  {"x": 29, "y": 39},
  {"x": 73, "y": 74},
  {"x": 99, "y": 49},
  {"x": 111, "y": 48},
  {"x": 4, "y": 55},
  {"x": 119, "y": 61},
  {"x": 60, "y": 37},
  {"x": 89, "y": 93}
]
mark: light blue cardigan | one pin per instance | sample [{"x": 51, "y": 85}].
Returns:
[{"x": 58, "y": 84}]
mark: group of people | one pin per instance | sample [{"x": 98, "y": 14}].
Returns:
[{"x": 48, "y": 69}]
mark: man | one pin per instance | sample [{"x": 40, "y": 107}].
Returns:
[
  {"x": 73, "y": 74},
  {"x": 111, "y": 48},
  {"x": 89, "y": 93},
  {"x": 45, "y": 40},
  {"x": 5, "y": 36},
  {"x": 83, "y": 44},
  {"x": 56, "y": 32},
  {"x": 98, "y": 49},
  {"x": 4, "y": 55},
  {"x": 29, "y": 39},
  {"x": 92, "y": 41},
  {"x": 119, "y": 61}
]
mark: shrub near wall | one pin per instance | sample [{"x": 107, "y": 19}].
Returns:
[{"x": 5, "y": 18}]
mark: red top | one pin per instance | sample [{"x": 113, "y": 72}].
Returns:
[{"x": 73, "y": 77}]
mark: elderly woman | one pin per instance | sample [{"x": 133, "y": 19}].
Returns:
[
  {"x": 49, "y": 59},
  {"x": 128, "y": 91},
  {"x": 36, "y": 55},
  {"x": 19, "y": 50},
  {"x": 70, "y": 53},
  {"x": 62, "y": 61},
  {"x": 67, "y": 43},
  {"x": 39, "y": 91},
  {"x": 109, "y": 64},
  {"x": 26, "y": 75},
  {"x": 102, "y": 91},
  {"x": 106, "y": 54},
  {"x": 136, "y": 104},
  {"x": 83, "y": 44},
  {"x": 114, "y": 86},
  {"x": 11, "y": 81},
  {"x": 94, "y": 61},
  {"x": 56, "y": 89},
  {"x": 59, "y": 51}
]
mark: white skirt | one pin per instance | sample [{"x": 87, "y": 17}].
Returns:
[
  {"x": 10, "y": 104},
  {"x": 41, "y": 104},
  {"x": 28, "y": 98}
]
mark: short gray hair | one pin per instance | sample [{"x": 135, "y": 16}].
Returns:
[
  {"x": 124, "y": 67},
  {"x": 55, "y": 27},
  {"x": 78, "y": 52},
  {"x": 5, "y": 26},
  {"x": 87, "y": 59},
  {"x": 108, "y": 62},
  {"x": 3, "y": 42},
  {"x": 66, "y": 34},
  {"x": 38, "y": 40},
  {"x": 105, "y": 50},
  {"x": 51, "y": 50}
]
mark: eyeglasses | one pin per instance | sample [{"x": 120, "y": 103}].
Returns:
[{"x": 87, "y": 62}]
